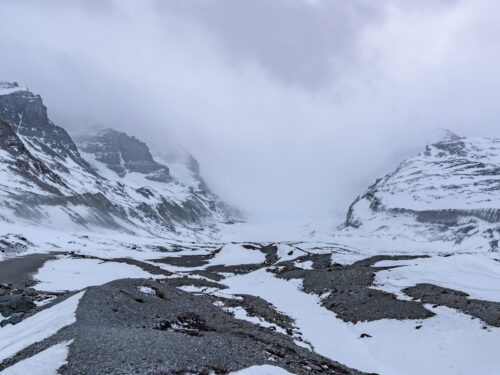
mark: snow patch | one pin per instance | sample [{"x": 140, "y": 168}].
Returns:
[
  {"x": 477, "y": 275},
  {"x": 235, "y": 254},
  {"x": 47, "y": 362},
  {"x": 76, "y": 274},
  {"x": 14, "y": 338},
  {"x": 262, "y": 370},
  {"x": 147, "y": 290}
]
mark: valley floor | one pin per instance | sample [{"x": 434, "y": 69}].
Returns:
[{"x": 247, "y": 303}]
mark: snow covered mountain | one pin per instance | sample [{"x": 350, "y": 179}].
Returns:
[
  {"x": 448, "y": 194},
  {"x": 110, "y": 180}
]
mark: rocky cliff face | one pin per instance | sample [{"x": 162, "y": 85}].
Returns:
[
  {"x": 122, "y": 154},
  {"x": 449, "y": 192},
  {"x": 110, "y": 180},
  {"x": 18, "y": 160},
  {"x": 27, "y": 115}
]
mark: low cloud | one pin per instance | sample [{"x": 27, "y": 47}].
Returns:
[{"x": 289, "y": 105}]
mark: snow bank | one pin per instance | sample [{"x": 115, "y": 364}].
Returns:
[
  {"x": 76, "y": 274},
  {"x": 14, "y": 338}
]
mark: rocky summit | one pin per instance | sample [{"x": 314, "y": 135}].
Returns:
[{"x": 27, "y": 115}]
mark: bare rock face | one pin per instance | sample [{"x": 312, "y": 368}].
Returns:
[
  {"x": 122, "y": 154},
  {"x": 25, "y": 164},
  {"x": 27, "y": 115}
]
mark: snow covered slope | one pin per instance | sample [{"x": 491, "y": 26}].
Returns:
[
  {"x": 111, "y": 181},
  {"x": 447, "y": 195}
]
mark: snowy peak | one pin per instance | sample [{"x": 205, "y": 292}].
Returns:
[
  {"x": 454, "y": 185},
  {"x": 122, "y": 154},
  {"x": 27, "y": 115},
  {"x": 7, "y": 88}
]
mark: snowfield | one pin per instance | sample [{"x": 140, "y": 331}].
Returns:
[
  {"x": 477, "y": 275},
  {"x": 76, "y": 274},
  {"x": 449, "y": 343}
]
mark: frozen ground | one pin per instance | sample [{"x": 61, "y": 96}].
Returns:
[{"x": 449, "y": 341}]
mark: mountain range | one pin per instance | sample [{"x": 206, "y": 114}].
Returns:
[
  {"x": 98, "y": 179},
  {"x": 103, "y": 179}
]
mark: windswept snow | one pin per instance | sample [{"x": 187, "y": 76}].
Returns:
[
  {"x": 47, "y": 362},
  {"x": 76, "y": 274},
  {"x": 40, "y": 326}
]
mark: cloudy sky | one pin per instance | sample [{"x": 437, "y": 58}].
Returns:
[{"x": 289, "y": 105}]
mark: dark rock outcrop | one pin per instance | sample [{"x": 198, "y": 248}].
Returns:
[
  {"x": 25, "y": 164},
  {"x": 347, "y": 290},
  {"x": 487, "y": 311},
  {"x": 16, "y": 303},
  {"x": 122, "y": 153},
  {"x": 27, "y": 115}
]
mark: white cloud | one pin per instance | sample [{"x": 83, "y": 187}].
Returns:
[{"x": 284, "y": 111}]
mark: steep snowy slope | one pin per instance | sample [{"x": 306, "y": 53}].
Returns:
[
  {"x": 114, "y": 183},
  {"x": 448, "y": 193}
]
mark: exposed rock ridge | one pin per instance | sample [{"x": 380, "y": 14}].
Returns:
[
  {"x": 122, "y": 153},
  {"x": 27, "y": 115}
]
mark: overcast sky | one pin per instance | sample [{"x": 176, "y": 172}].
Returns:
[{"x": 289, "y": 105}]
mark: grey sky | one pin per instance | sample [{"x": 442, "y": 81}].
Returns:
[{"x": 290, "y": 105}]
